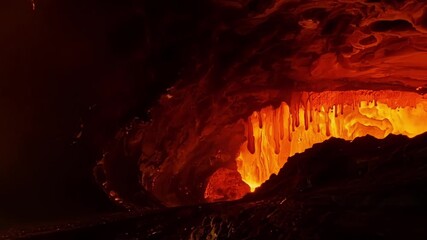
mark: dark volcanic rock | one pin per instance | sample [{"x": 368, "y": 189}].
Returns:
[{"x": 365, "y": 189}]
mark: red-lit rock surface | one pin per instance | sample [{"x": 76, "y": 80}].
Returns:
[
  {"x": 72, "y": 72},
  {"x": 251, "y": 54},
  {"x": 225, "y": 184}
]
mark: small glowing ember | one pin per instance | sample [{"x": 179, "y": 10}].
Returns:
[
  {"x": 273, "y": 135},
  {"x": 33, "y": 4}
]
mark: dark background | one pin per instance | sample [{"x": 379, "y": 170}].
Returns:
[{"x": 71, "y": 73}]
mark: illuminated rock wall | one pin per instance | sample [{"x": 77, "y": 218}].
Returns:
[
  {"x": 243, "y": 56},
  {"x": 273, "y": 135}
]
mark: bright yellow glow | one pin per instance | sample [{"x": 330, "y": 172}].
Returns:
[{"x": 273, "y": 135}]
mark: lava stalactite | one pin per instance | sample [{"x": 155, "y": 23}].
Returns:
[{"x": 345, "y": 115}]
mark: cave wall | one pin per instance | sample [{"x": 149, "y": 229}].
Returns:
[
  {"x": 251, "y": 54},
  {"x": 72, "y": 72}
]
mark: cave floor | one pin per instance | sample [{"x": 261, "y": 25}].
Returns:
[{"x": 382, "y": 196}]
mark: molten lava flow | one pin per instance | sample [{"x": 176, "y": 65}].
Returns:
[{"x": 273, "y": 135}]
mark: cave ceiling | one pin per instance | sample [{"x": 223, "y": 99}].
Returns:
[
  {"x": 317, "y": 44},
  {"x": 244, "y": 55}
]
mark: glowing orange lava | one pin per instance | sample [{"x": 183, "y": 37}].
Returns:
[{"x": 273, "y": 135}]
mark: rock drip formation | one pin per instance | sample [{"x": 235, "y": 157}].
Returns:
[{"x": 275, "y": 134}]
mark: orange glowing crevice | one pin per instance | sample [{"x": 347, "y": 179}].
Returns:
[{"x": 273, "y": 135}]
